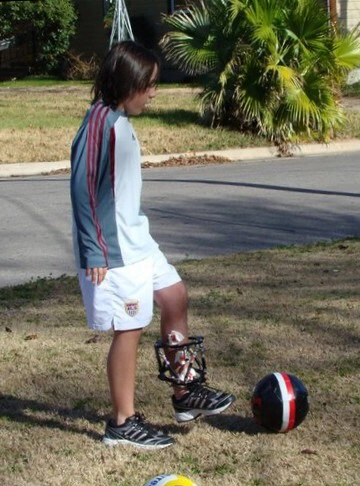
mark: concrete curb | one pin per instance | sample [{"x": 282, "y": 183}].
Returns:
[{"x": 238, "y": 155}]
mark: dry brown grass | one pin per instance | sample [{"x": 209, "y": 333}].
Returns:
[
  {"x": 39, "y": 124},
  {"x": 294, "y": 310}
]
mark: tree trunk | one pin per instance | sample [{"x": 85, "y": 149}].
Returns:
[{"x": 333, "y": 12}]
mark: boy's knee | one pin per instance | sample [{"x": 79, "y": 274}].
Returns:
[
  {"x": 183, "y": 293},
  {"x": 174, "y": 295}
]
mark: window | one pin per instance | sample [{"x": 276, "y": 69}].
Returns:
[
  {"x": 174, "y": 5},
  {"x": 107, "y": 5}
]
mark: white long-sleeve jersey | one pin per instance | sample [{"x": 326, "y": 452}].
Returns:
[{"x": 110, "y": 229}]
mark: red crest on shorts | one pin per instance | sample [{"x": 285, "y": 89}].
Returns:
[{"x": 132, "y": 308}]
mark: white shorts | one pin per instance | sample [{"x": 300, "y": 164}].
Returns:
[{"x": 125, "y": 299}]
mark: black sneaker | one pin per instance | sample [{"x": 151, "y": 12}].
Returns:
[
  {"x": 134, "y": 431},
  {"x": 201, "y": 400}
]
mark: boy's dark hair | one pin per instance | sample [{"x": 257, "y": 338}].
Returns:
[{"x": 126, "y": 69}]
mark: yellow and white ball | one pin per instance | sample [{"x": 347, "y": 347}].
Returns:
[{"x": 170, "y": 480}]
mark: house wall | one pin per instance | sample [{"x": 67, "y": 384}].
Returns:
[
  {"x": 348, "y": 13},
  {"x": 91, "y": 37},
  {"x": 149, "y": 8},
  {"x": 145, "y": 18}
]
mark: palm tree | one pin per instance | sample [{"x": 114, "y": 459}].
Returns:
[{"x": 269, "y": 66}]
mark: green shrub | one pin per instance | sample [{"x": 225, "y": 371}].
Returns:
[
  {"x": 272, "y": 67},
  {"x": 52, "y": 24}
]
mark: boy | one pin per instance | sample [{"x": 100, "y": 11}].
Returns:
[{"x": 121, "y": 269}]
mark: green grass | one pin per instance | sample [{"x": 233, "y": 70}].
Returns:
[
  {"x": 351, "y": 90},
  {"x": 39, "y": 123},
  {"x": 284, "y": 309},
  {"x": 41, "y": 82},
  {"x": 39, "y": 118},
  {"x": 50, "y": 81}
]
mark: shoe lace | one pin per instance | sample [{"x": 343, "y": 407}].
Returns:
[
  {"x": 139, "y": 423},
  {"x": 139, "y": 417},
  {"x": 202, "y": 391}
]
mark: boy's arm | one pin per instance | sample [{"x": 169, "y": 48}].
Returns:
[
  {"x": 89, "y": 165},
  {"x": 92, "y": 247}
]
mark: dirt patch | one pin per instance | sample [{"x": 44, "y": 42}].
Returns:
[
  {"x": 180, "y": 161},
  {"x": 188, "y": 160}
]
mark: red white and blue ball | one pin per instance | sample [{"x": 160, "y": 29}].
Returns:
[{"x": 280, "y": 402}]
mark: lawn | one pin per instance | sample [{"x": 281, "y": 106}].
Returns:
[
  {"x": 290, "y": 309},
  {"x": 38, "y": 121},
  {"x": 293, "y": 309}
]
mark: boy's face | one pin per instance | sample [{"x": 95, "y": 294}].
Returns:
[{"x": 137, "y": 103}]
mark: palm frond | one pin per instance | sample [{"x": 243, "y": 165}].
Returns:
[
  {"x": 200, "y": 41},
  {"x": 347, "y": 51},
  {"x": 270, "y": 66},
  {"x": 188, "y": 53},
  {"x": 261, "y": 16},
  {"x": 284, "y": 74},
  {"x": 237, "y": 8}
]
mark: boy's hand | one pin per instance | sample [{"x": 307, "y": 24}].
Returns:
[{"x": 97, "y": 274}]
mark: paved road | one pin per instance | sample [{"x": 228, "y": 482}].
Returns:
[{"x": 194, "y": 212}]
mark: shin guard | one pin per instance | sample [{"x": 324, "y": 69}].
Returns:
[{"x": 181, "y": 364}]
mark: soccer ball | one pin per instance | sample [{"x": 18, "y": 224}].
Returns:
[
  {"x": 279, "y": 402},
  {"x": 170, "y": 480}
]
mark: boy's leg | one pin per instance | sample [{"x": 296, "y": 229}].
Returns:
[
  {"x": 128, "y": 427},
  {"x": 124, "y": 302},
  {"x": 192, "y": 400},
  {"x": 173, "y": 304},
  {"x": 121, "y": 370}
]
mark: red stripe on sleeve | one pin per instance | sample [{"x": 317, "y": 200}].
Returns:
[
  {"x": 112, "y": 159},
  {"x": 96, "y": 128}
]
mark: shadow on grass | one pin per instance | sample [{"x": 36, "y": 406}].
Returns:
[
  {"x": 230, "y": 423},
  {"x": 20, "y": 410},
  {"x": 177, "y": 118},
  {"x": 23, "y": 411},
  {"x": 236, "y": 423},
  {"x": 38, "y": 290}
]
